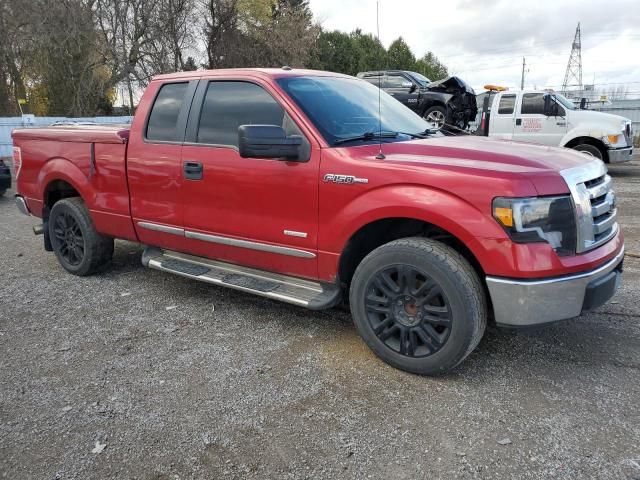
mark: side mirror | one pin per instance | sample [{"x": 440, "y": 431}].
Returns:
[
  {"x": 550, "y": 106},
  {"x": 583, "y": 103},
  {"x": 268, "y": 141},
  {"x": 410, "y": 85}
]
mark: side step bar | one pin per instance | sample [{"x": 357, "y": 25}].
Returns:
[{"x": 306, "y": 293}]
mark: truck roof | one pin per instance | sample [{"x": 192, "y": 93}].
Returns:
[
  {"x": 262, "y": 72},
  {"x": 526, "y": 90}
]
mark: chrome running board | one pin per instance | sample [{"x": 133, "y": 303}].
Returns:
[{"x": 298, "y": 291}]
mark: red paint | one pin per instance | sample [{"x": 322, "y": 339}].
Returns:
[{"x": 449, "y": 182}]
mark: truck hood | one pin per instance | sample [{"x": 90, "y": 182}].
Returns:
[
  {"x": 450, "y": 85},
  {"x": 605, "y": 121},
  {"x": 486, "y": 153},
  {"x": 517, "y": 161}
]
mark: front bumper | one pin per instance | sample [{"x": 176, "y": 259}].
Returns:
[
  {"x": 525, "y": 303},
  {"x": 619, "y": 155}
]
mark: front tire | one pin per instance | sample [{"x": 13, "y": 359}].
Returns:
[
  {"x": 79, "y": 248},
  {"x": 436, "y": 116},
  {"x": 590, "y": 150},
  {"x": 419, "y": 305}
]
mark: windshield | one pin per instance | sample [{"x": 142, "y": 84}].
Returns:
[
  {"x": 420, "y": 78},
  {"x": 342, "y": 108},
  {"x": 564, "y": 101}
]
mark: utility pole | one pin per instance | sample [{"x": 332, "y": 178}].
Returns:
[
  {"x": 573, "y": 75},
  {"x": 522, "y": 79}
]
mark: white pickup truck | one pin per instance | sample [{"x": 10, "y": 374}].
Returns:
[{"x": 548, "y": 118}]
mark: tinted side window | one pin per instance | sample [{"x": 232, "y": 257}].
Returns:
[
  {"x": 394, "y": 81},
  {"x": 227, "y": 105},
  {"x": 507, "y": 104},
  {"x": 533, "y": 103},
  {"x": 376, "y": 80},
  {"x": 164, "y": 113}
]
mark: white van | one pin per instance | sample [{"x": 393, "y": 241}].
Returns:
[{"x": 548, "y": 118}]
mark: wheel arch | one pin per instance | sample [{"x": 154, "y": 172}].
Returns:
[
  {"x": 432, "y": 103},
  {"x": 384, "y": 230},
  {"x": 584, "y": 139},
  {"x": 60, "y": 178}
]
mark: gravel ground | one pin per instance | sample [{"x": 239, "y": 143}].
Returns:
[{"x": 134, "y": 373}]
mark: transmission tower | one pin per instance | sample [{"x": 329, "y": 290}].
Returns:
[{"x": 573, "y": 75}]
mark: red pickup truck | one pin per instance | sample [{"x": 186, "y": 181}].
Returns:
[{"x": 307, "y": 187}]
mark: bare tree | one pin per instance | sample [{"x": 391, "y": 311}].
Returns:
[{"x": 258, "y": 33}]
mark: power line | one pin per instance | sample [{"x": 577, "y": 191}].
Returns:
[{"x": 574, "y": 66}]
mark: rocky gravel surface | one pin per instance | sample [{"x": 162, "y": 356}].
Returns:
[{"x": 135, "y": 373}]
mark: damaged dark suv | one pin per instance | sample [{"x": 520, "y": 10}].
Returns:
[{"x": 449, "y": 103}]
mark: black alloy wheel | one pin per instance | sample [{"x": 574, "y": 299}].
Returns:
[
  {"x": 408, "y": 311},
  {"x": 80, "y": 249},
  {"x": 418, "y": 304},
  {"x": 68, "y": 239}
]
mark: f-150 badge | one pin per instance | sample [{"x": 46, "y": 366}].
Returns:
[{"x": 345, "y": 179}]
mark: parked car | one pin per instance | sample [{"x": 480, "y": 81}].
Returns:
[
  {"x": 448, "y": 103},
  {"x": 548, "y": 118},
  {"x": 288, "y": 184},
  {"x": 5, "y": 178}
]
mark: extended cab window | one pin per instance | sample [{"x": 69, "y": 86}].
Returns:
[
  {"x": 533, "y": 103},
  {"x": 227, "y": 105},
  {"x": 164, "y": 114},
  {"x": 507, "y": 104}
]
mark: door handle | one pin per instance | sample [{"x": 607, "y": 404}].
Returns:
[{"x": 193, "y": 170}]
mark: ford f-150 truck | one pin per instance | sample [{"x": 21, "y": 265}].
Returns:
[
  {"x": 289, "y": 184},
  {"x": 548, "y": 118}
]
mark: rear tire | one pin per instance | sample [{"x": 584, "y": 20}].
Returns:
[
  {"x": 79, "y": 248},
  {"x": 590, "y": 149},
  {"x": 419, "y": 305}
]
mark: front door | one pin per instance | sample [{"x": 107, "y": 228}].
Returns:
[
  {"x": 532, "y": 125},
  {"x": 256, "y": 212},
  {"x": 402, "y": 89}
]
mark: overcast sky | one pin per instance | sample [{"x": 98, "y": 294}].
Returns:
[{"x": 484, "y": 41}]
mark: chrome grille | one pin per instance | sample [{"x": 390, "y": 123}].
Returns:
[{"x": 595, "y": 203}]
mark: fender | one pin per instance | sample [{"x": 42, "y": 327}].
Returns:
[
  {"x": 442, "y": 209},
  {"x": 59, "y": 168},
  {"x": 592, "y": 130},
  {"x": 431, "y": 99}
]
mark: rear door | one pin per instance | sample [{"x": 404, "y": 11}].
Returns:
[
  {"x": 154, "y": 163},
  {"x": 503, "y": 116},
  {"x": 532, "y": 125},
  {"x": 255, "y": 212}
]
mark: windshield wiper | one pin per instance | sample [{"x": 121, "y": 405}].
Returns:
[
  {"x": 366, "y": 136},
  {"x": 424, "y": 134}
]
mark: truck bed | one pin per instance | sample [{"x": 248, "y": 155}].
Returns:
[{"x": 106, "y": 133}]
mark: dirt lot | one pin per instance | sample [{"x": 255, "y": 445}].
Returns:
[{"x": 138, "y": 374}]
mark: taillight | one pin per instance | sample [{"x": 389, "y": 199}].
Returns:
[{"x": 17, "y": 161}]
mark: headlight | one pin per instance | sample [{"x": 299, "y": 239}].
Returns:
[
  {"x": 612, "y": 139},
  {"x": 541, "y": 219}
]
